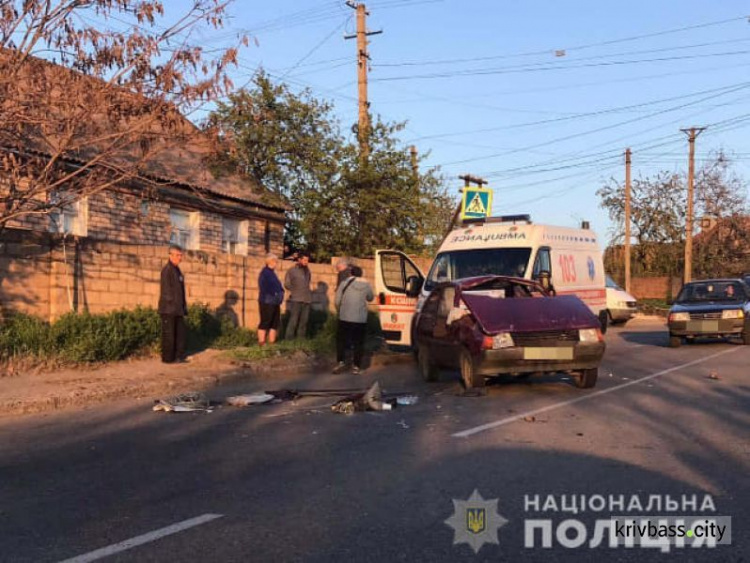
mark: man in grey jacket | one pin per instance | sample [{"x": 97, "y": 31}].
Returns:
[
  {"x": 297, "y": 282},
  {"x": 351, "y": 303}
]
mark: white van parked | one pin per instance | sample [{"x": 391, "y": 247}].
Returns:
[
  {"x": 621, "y": 306},
  {"x": 569, "y": 259}
]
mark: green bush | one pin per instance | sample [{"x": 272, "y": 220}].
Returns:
[
  {"x": 24, "y": 335},
  {"x": 233, "y": 336},
  {"x": 86, "y": 338},
  {"x": 102, "y": 338}
]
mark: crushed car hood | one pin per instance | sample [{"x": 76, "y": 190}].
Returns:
[{"x": 529, "y": 314}]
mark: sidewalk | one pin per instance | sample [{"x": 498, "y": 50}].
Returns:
[{"x": 77, "y": 387}]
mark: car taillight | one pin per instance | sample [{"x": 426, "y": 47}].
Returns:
[{"x": 487, "y": 343}]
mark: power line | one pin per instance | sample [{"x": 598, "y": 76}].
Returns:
[
  {"x": 552, "y": 52},
  {"x": 552, "y": 67},
  {"x": 316, "y": 47},
  {"x": 604, "y": 128},
  {"x": 578, "y": 115}
]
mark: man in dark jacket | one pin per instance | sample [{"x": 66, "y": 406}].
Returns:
[
  {"x": 297, "y": 282},
  {"x": 172, "y": 309}
]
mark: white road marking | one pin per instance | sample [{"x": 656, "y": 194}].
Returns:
[
  {"x": 143, "y": 539},
  {"x": 504, "y": 421}
]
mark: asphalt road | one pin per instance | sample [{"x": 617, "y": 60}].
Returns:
[{"x": 295, "y": 482}]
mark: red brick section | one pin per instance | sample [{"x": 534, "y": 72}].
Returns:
[{"x": 655, "y": 288}]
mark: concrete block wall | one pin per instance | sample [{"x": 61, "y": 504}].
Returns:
[{"x": 41, "y": 276}]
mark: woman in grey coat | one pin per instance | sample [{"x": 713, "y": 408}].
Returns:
[{"x": 351, "y": 303}]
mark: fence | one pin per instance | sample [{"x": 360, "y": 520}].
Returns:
[{"x": 48, "y": 277}]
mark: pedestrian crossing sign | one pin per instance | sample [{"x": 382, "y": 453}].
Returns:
[{"x": 477, "y": 203}]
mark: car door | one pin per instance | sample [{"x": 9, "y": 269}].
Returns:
[{"x": 393, "y": 270}]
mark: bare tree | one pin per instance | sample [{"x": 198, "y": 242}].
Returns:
[
  {"x": 658, "y": 210},
  {"x": 91, "y": 92}
]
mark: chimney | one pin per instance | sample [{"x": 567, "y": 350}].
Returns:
[{"x": 585, "y": 225}]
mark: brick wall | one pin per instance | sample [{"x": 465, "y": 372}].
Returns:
[
  {"x": 655, "y": 288},
  {"x": 121, "y": 217},
  {"x": 41, "y": 276}
]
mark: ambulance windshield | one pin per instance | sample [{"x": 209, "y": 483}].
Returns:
[{"x": 459, "y": 264}]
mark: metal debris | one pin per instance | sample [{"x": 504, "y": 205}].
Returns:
[
  {"x": 251, "y": 399},
  {"x": 184, "y": 402}
]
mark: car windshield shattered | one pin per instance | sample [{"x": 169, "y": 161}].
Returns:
[
  {"x": 459, "y": 264},
  {"x": 699, "y": 292},
  {"x": 503, "y": 289}
]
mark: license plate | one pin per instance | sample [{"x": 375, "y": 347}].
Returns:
[
  {"x": 548, "y": 353},
  {"x": 703, "y": 326}
]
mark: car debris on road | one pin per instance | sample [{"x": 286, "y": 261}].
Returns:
[{"x": 185, "y": 402}]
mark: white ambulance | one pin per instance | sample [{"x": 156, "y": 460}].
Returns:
[{"x": 508, "y": 246}]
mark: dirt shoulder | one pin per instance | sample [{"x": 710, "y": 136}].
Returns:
[{"x": 35, "y": 391}]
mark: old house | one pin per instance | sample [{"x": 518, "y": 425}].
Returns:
[{"x": 97, "y": 242}]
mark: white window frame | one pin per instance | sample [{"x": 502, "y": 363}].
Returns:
[
  {"x": 234, "y": 236},
  {"x": 70, "y": 219},
  {"x": 184, "y": 228}
]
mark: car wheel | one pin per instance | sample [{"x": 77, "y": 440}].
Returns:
[
  {"x": 587, "y": 378},
  {"x": 603, "y": 318},
  {"x": 675, "y": 341},
  {"x": 469, "y": 374},
  {"x": 427, "y": 369},
  {"x": 746, "y": 334}
]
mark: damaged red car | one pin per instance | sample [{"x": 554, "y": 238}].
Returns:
[{"x": 492, "y": 325}]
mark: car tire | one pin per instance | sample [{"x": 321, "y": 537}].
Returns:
[
  {"x": 427, "y": 369},
  {"x": 746, "y": 334},
  {"x": 675, "y": 341},
  {"x": 587, "y": 378},
  {"x": 469, "y": 376},
  {"x": 603, "y": 318}
]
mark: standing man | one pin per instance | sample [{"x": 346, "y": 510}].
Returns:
[
  {"x": 297, "y": 282},
  {"x": 351, "y": 302},
  {"x": 172, "y": 308},
  {"x": 343, "y": 271}
]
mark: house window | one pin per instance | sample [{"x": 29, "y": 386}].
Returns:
[
  {"x": 234, "y": 236},
  {"x": 70, "y": 219},
  {"x": 184, "y": 231}
]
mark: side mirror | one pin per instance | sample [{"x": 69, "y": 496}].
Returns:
[
  {"x": 544, "y": 278},
  {"x": 413, "y": 286}
]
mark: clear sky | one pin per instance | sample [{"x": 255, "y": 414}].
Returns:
[{"x": 539, "y": 97}]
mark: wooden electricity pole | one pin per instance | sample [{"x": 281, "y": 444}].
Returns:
[
  {"x": 692, "y": 133},
  {"x": 363, "y": 59},
  {"x": 627, "y": 220}
]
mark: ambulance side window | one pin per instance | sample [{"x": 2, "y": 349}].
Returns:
[{"x": 542, "y": 262}]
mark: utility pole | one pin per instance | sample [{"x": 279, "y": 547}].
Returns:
[
  {"x": 414, "y": 161},
  {"x": 692, "y": 134},
  {"x": 627, "y": 220},
  {"x": 363, "y": 58}
]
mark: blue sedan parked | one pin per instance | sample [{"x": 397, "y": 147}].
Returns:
[{"x": 710, "y": 308}]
